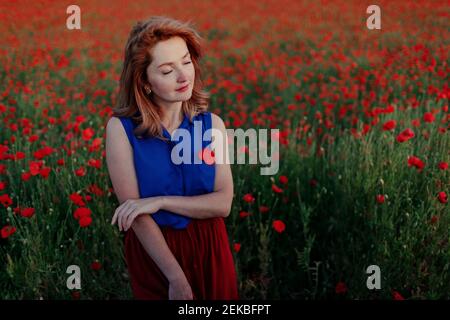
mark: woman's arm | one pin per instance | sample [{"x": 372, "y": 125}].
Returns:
[
  {"x": 214, "y": 204},
  {"x": 119, "y": 159}
]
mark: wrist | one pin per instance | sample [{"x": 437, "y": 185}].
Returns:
[
  {"x": 161, "y": 202},
  {"x": 178, "y": 277}
]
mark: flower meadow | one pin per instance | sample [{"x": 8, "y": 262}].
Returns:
[{"x": 364, "y": 145}]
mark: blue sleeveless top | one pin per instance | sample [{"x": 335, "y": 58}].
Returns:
[{"x": 158, "y": 175}]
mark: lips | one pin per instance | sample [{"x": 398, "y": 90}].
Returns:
[{"x": 183, "y": 88}]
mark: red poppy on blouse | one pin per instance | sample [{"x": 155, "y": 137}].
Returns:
[{"x": 207, "y": 155}]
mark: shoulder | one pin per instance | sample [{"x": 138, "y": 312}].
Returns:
[
  {"x": 115, "y": 129},
  {"x": 217, "y": 122},
  {"x": 113, "y": 125}
]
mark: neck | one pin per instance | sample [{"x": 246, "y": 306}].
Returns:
[{"x": 171, "y": 113}]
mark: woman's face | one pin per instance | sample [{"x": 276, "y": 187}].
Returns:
[{"x": 171, "y": 69}]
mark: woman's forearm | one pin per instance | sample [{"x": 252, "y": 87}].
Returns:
[
  {"x": 152, "y": 239},
  {"x": 214, "y": 204}
]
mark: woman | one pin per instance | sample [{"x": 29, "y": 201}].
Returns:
[{"x": 172, "y": 213}]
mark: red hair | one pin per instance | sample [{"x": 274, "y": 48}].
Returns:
[{"x": 132, "y": 98}]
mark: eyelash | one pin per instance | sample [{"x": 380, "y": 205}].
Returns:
[{"x": 165, "y": 73}]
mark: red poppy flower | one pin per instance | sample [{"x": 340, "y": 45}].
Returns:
[
  {"x": 442, "y": 197},
  {"x": 380, "y": 198},
  {"x": 95, "y": 163},
  {"x": 5, "y": 200},
  {"x": 397, "y": 296},
  {"x": 87, "y": 134},
  {"x": 27, "y": 212},
  {"x": 80, "y": 172},
  {"x": 2, "y": 185},
  {"x": 416, "y": 162},
  {"x": 389, "y": 125},
  {"x": 283, "y": 179},
  {"x": 276, "y": 189},
  {"x": 443, "y": 165},
  {"x": 35, "y": 167},
  {"x": 405, "y": 135},
  {"x": 96, "y": 265},
  {"x": 264, "y": 209},
  {"x": 428, "y": 117},
  {"x": 248, "y": 197},
  {"x": 237, "y": 247},
  {"x": 19, "y": 155},
  {"x": 77, "y": 199},
  {"x": 244, "y": 214},
  {"x": 7, "y": 231},
  {"x": 279, "y": 226},
  {"x": 434, "y": 219},
  {"x": 45, "y": 171},
  {"x": 25, "y": 176},
  {"x": 85, "y": 221},
  {"x": 82, "y": 212},
  {"x": 341, "y": 288},
  {"x": 76, "y": 295}
]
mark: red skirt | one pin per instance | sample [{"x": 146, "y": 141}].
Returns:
[{"x": 204, "y": 254}]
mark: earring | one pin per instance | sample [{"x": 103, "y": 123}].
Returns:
[{"x": 148, "y": 90}]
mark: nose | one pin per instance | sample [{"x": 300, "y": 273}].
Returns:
[{"x": 182, "y": 76}]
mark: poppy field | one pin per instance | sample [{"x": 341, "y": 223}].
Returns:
[{"x": 363, "y": 115}]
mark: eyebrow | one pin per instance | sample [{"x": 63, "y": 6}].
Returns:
[{"x": 172, "y": 62}]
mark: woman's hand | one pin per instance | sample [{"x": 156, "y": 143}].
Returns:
[
  {"x": 130, "y": 209},
  {"x": 180, "y": 290}
]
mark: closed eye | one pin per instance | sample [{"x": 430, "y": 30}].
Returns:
[{"x": 172, "y": 70}]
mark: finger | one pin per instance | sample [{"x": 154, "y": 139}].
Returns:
[
  {"x": 122, "y": 217},
  {"x": 114, "y": 218},
  {"x": 130, "y": 219},
  {"x": 123, "y": 210},
  {"x": 117, "y": 213}
]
